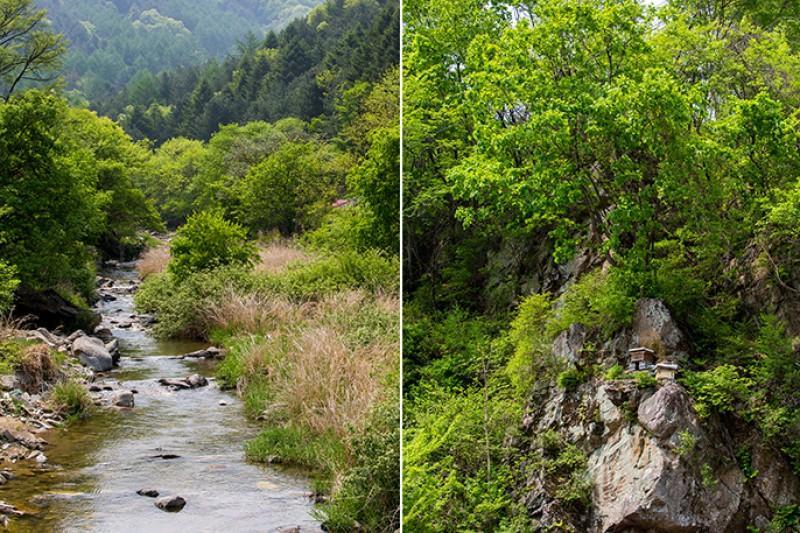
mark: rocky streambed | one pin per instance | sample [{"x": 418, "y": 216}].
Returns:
[{"x": 163, "y": 451}]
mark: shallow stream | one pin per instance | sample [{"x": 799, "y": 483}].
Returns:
[{"x": 96, "y": 466}]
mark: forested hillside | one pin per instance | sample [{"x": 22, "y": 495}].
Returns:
[
  {"x": 116, "y": 42},
  {"x": 300, "y": 72},
  {"x": 284, "y": 198},
  {"x": 583, "y": 178}
]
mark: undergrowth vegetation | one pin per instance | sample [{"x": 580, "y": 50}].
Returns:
[
  {"x": 565, "y": 160},
  {"x": 312, "y": 342}
]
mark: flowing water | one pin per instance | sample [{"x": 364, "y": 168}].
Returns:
[{"x": 96, "y": 466}]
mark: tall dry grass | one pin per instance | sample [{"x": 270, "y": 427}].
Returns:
[
  {"x": 153, "y": 261},
  {"x": 254, "y": 312},
  {"x": 11, "y": 326},
  {"x": 324, "y": 364},
  {"x": 278, "y": 255}
]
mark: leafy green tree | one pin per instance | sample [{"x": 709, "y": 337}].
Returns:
[
  {"x": 292, "y": 188},
  {"x": 48, "y": 190},
  {"x": 118, "y": 163},
  {"x": 208, "y": 241},
  {"x": 170, "y": 178},
  {"x": 29, "y": 51}
]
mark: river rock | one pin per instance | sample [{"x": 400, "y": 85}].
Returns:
[
  {"x": 150, "y": 493},
  {"x": 93, "y": 353},
  {"x": 175, "y": 383},
  {"x": 113, "y": 348},
  {"x": 196, "y": 380},
  {"x": 212, "y": 352},
  {"x": 104, "y": 333},
  {"x": 8, "y": 509},
  {"x": 8, "y": 382},
  {"x": 124, "y": 399},
  {"x": 171, "y": 504}
]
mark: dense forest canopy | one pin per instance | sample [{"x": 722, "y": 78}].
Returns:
[
  {"x": 116, "y": 42},
  {"x": 564, "y": 159},
  {"x": 301, "y": 72}
]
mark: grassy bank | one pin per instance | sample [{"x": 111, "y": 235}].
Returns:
[{"x": 312, "y": 343}]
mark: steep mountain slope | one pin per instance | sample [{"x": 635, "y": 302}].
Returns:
[
  {"x": 306, "y": 70},
  {"x": 114, "y": 41}
]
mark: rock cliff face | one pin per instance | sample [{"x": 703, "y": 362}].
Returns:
[
  {"x": 655, "y": 466},
  {"x": 652, "y": 464}
]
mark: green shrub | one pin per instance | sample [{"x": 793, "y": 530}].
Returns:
[
  {"x": 72, "y": 399},
  {"x": 707, "y": 476},
  {"x": 687, "y": 442},
  {"x": 455, "y": 466},
  {"x": 207, "y": 241},
  {"x": 341, "y": 229},
  {"x": 8, "y": 284},
  {"x": 569, "y": 379},
  {"x": 645, "y": 380},
  {"x": 721, "y": 390},
  {"x": 597, "y": 300},
  {"x": 786, "y": 518},
  {"x": 181, "y": 306},
  {"x": 744, "y": 458},
  {"x": 615, "y": 372},
  {"x": 369, "y": 270}
]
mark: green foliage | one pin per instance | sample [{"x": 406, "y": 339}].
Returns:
[
  {"x": 596, "y": 300},
  {"x": 343, "y": 228},
  {"x": 207, "y": 241},
  {"x": 707, "y": 476},
  {"x": 299, "y": 72},
  {"x": 563, "y": 467},
  {"x": 292, "y": 188},
  {"x": 52, "y": 206},
  {"x": 128, "y": 42},
  {"x": 687, "y": 442},
  {"x": 720, "y": 390},
  {"x": 744, "y": 458},
  {"x": 785, "y": 518},
  {"x": 569, "y": 379},
  {"x": 370, "y": 270},
  {"x": 29, "y": 50},
  {"x": 181, "y": 305},
  {"x": 8, "y": 284},
  {"x": 615, "y": 372},
  {"x": 645, "y": 380},
  {"x": 296, "y": 446},
  {"x": 72, "y": 399},
  {"x": 454, "y": 469}
]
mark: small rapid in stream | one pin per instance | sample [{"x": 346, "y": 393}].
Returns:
[{"x": 97, "y": 465}]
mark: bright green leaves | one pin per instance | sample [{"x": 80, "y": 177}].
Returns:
[
  {"x": 29, "y": 51},
  {"x": 49, "y": 193},
  {"x": 292, "y": 188},
  {"x": 208, "y": 241}
]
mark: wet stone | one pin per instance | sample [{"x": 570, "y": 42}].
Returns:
[{"x": 170, "y": 504}]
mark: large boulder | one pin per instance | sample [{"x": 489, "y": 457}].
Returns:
[
  {"x": 654, "y": 327},
  {"x": 50, "y": 310},
  {"x": 667, "y": 411},
  {"x": 92, "y": 352}
]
